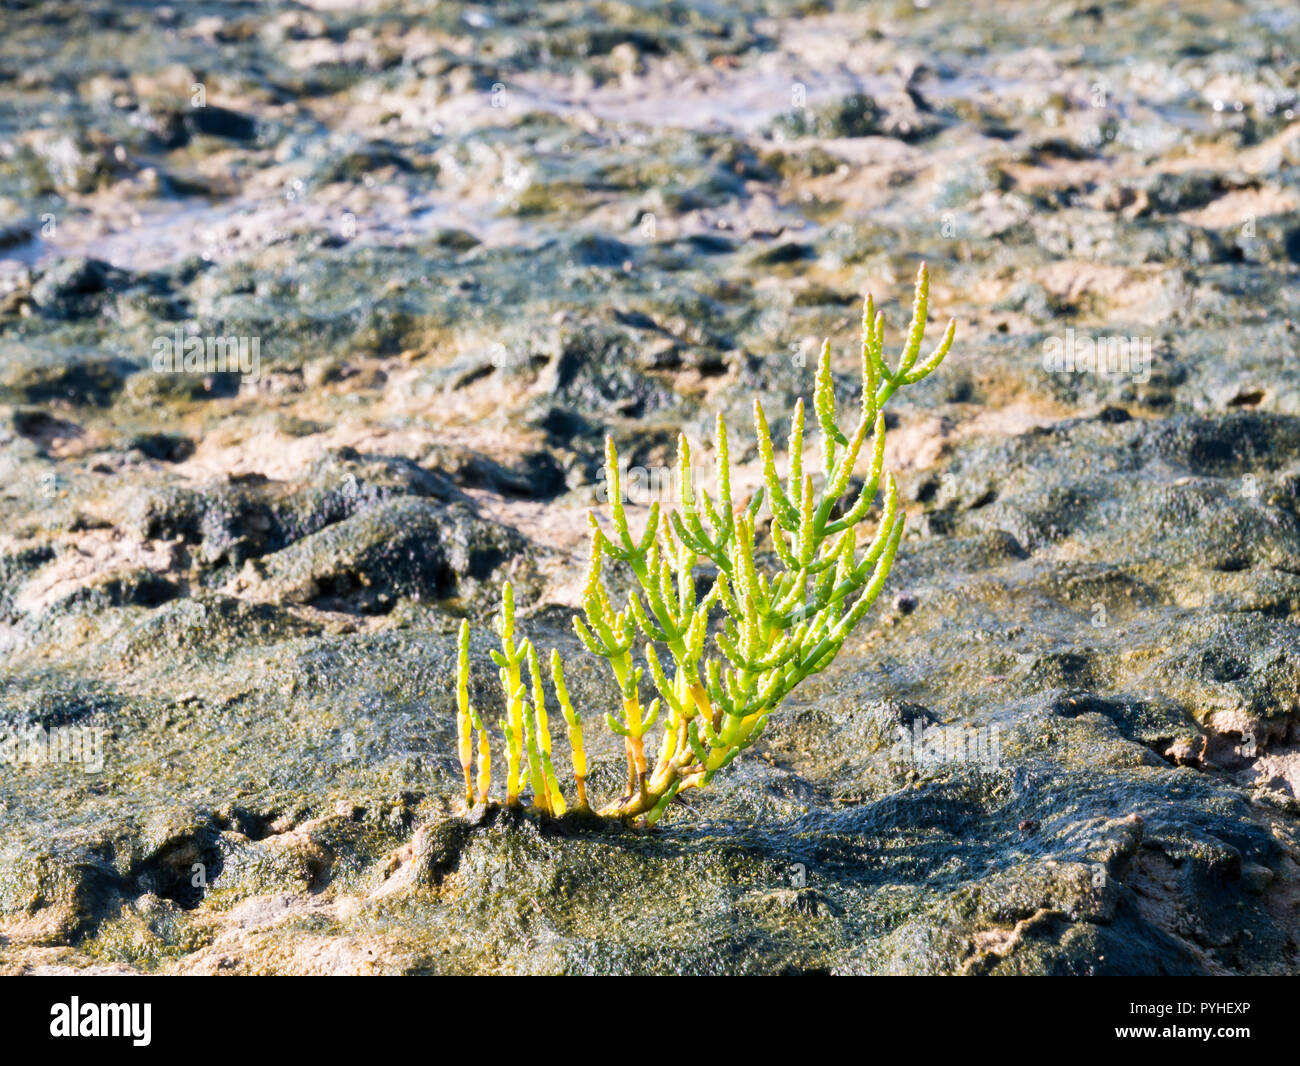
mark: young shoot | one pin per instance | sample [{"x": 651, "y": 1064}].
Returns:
[{"x": 738, "y": 651}]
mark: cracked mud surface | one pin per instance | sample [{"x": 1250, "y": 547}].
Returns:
[{"x": 472, "y": 241}]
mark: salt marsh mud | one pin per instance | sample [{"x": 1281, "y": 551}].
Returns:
[{"x": 470, "y": 240}]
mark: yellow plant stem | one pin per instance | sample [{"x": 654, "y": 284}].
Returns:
[
  {"x": 464, "y": 716},
  {"x": 637, "y": 745},
  {"x": 484, "y": 766}
]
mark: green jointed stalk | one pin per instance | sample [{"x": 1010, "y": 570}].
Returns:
[
  {"x": 554, "y": 798},
  {"x": 513, "y": 724},
  {"x": 571, "y": 719},
  {"x": 776, "y": 627}
]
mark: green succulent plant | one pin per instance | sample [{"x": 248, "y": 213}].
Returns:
[{"x": 739, "y": 650}]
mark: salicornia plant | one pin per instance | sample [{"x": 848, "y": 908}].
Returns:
[{"x": 778, "y": 624}]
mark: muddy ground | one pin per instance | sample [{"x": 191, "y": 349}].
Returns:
[{"x": 472, "y": 239}]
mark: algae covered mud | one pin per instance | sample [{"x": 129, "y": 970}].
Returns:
[{"x": 313, "y": 319}]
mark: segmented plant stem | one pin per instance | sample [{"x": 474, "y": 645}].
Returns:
[{"x": 776, "y": 629}]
